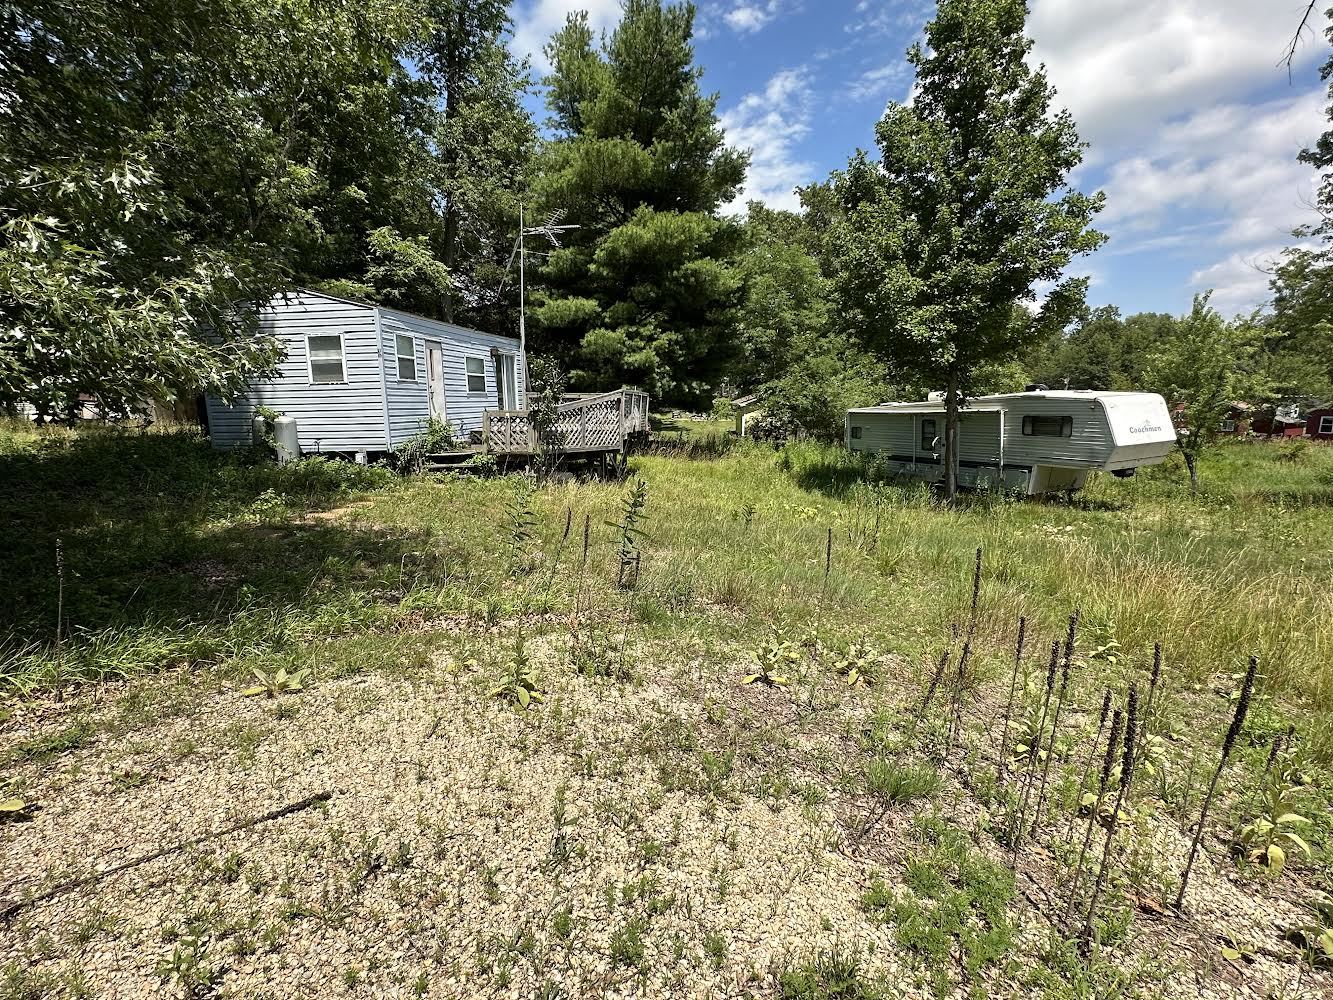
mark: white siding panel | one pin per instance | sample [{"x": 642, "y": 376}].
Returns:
[
  {"x": 350, "y": 416},
  {"x": 1089, "y": 446},
  {"x": 409, "y": 405},
  {"x": 346, "y": 416}
]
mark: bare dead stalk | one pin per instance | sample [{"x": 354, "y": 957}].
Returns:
[
  {"x": 1055, "y": 721},
  {"x": 1152, "y": 697},
  {"x": 1126, "y": 779},
  {"x": 1092, "y": 755},
  {"x": 976, "y": 597},
  {"x": 1228, "y": 743},
  {"x": 7, "y": 910},
  {"x": 935, "y": 679},
  {"x": 1034, "y": 753},
  {"x": 956, "y": 719},
  {"x": 1107, "y": 763},
  {"x": 1009, "y": 705}
]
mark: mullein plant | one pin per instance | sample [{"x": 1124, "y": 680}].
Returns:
[
  {"x": 1009, "y": 705},
  {"x": 1228, "y": 744},
  {"x": 1034, "y": 753},
  {"x": 1117, "y": 721},
  {"x": 1070, "y": 639},
  {"x": 1087, "y": 766},
  {"x": 1126, "y": 779}
]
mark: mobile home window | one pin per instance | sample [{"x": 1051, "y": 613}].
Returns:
[
  {"x": 326, "y": 358},
  {"x": 928, "y": 435},
  {"x": 856, "y": 432},
  {"x": 1326, "y": 425},
  {"x": 476, "y": 375},
  {"x": 1055, "y": 427},
  {"x": 406, "y": 349}
]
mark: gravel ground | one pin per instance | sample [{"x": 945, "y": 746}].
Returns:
[{"x": 601, "y": 845}]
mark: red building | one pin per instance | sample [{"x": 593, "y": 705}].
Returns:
[{"x": 1319, "y": 424}]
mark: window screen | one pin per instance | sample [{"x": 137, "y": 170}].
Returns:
[
  {"x": 1041, "y": 426},
  {"x": 476, "y": 375},
  {"x": 326, "y": 358},
  {"x": 1326, "y": 425},
  {"x": 928, "y": 435},
  {"x": 856, "y": 432},
  {"x": 407, "y": 358}
]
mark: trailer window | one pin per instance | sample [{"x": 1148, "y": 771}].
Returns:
[
  {"x": 406, "y": 349},
  {"x": 326, "y": 358},
  {"x": 1055, "y": 427},
  {"x": 856, "y": 432},
  {"x": 476, "y": 375},
  {"x": 928, "y": 435}
]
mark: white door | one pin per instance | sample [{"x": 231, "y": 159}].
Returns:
[
  {"x": 435, "y": 380},
  {"x": 506, "y": 381}
]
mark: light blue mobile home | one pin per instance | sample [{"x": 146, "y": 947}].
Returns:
[{"x": 361, "y": 377}]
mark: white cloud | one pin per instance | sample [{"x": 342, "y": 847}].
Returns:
[
  {"x": 748, "y": 17},
  {"x": 535, "y": 21},
  {"x": 1193, "y": 164},
  {"x": 1234, "y": 164},
  {"x": 1239, "y": 280},
  {"x": 769, "y": 124},
  {"x": 885, "y": 17},
  {"x": 881, "y": 82},
  {"x": 1125, "y": 67}
]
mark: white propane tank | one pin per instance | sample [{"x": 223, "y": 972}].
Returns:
[
  {"x": 258, "y": 429},
  {"x": 284, "y": 432}
]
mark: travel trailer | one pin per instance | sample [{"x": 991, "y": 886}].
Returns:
[{"x": 1034, "y": 442}]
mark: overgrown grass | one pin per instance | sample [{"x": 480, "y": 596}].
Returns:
[{"x": 175, "y": 553}]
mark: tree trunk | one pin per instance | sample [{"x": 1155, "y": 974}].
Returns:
[
  {"x": 951, "y": 438},
  {"x": 453, "y": 98},
  {"x": 1192, "y": 463}
]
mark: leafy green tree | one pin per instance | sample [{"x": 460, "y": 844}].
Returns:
[
  {"x": 1300, "y": 348},
  {"x": 966, "y": 211},
  {"x": 164, "y": 161},
  {"x": 1102, "y": 350},
  {"x": 484, "y": 143},
  {"x": 647, "y": 289},
  {"x": 1299, "y": 353},
  {"x": 784, "y": 305},
  {"x": 828, "y": 375},
  {"x": 1204, "y": 366}
]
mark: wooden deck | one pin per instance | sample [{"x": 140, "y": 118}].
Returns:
[{"x": 588, "y": 424}]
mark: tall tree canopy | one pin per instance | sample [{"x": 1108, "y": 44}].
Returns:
[
  {"x": 1202, "y": 367},
  {"x": 646, "y": 290},
  {"x": 1102, "y": 350},
  {"x": 484, "y": 141},
  {"x": 966, "y": 210},
  {"x": 165, "y": 161}
]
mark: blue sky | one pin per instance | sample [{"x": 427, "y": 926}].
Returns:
[{"x": 1193, "y": 126}]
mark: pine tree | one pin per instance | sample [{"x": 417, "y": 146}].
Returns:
[{"x": 646, "y": 290}]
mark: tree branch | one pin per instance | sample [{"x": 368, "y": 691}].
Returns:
[
  {"x": 10, "y": 907},
  {"x": 1289, "y": 56}
]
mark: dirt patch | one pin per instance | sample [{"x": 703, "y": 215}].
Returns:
[{"x": 333, "y": 514}]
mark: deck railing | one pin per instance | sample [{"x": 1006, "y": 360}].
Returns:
[{"x": 599, "y": 422}]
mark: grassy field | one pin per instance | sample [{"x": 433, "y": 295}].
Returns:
[{"x": 648, "y": 823}]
